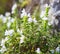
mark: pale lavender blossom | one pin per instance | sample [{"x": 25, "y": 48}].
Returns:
[
  {"x": 49, "y": 23},
  {"x": 30, "y": 20},
  {"x": 19, "y": 31},
  {"x": 12, "y": 20},
  {"x": 28, "y": 15},
  {"x": 13, "y": 8},
  {"x": 22, "y": 38},
  {"x": 46, "y": 5},
  {"x": 57, "y": 49},
  {"x": 52, "y": 20},
  {"x": 56, "y": 21},
  {"x": 4, "y": 19},
  {"x": 6, "y": 38},
  {"x": 52, "y": 51},
  {"x": 7, "y": 14},
  {"x": 42, "y": 14},
  {"x": 9, "y": 32},
  {"x": 45, "y": 18},
  {"x": 3, "y": 49},
  {"x": 8, "y": 24},
  {"x": 34, "y": 20},
  {"x": 2, "y": 42},
  {"x": 8, "y": 18},
  {"x": 38, "y": 50},
  {"x": 1, "y": 16},
  {"x": 24, "y": 13}
]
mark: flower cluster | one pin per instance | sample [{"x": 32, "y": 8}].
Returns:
[{"x": 28, "y": 34}]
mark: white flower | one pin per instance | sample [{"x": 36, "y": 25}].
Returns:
[
  {"x": 30, "y": 20},
  {"x": 7, "y": 14},
  {"x": 3, "y": 45},
  {"x": 29, "y": 15},
  {"x": 9, "y": 32},
  {"x": 46, "y": 5},
  {"x": 13, "y": 8},
  {"x": 9, "y": 18},
  {"x": 6, "y": 38},
  {"x": 12, "y": 20},
  {"x": 34, "y": 20},
  {"x": 22, "y": 39},
  {"x": 38, "y": 50},
  {"x": 23, "y": 13},
  {"x": 52, "y": 20},
  {"x": 42, "y": 14},
  {"x": 52, "y": 51},
  {"x": 1, "y": 16},
  {"x": 19, "y": 31},
  {"x": 4, "y": 19},
  {"x": 3, "y": 49},
  {"x": 56, "y": 21},
  {"x": 45, "y": 18},
  {"x": 8, "y": 24},
  {"x": 49, "y": 23},
  {"x": 57, "y": 49},
  {"x": 2, "y": 42}
]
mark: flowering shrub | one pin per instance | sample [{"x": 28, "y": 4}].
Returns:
[{"x": 27, "y": 34}]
